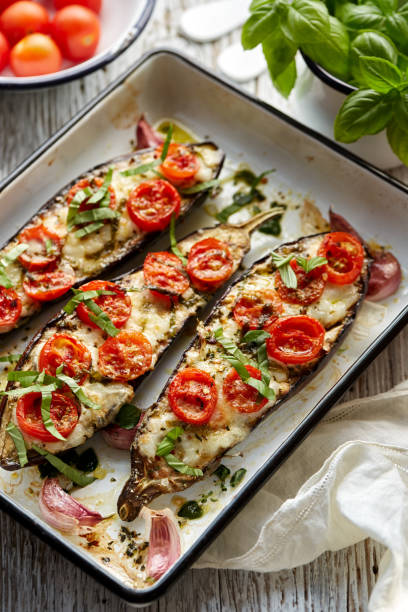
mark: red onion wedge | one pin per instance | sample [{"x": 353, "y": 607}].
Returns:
[
  {"x": 118, "y": 437},
  {"x": 62, "y": 511},
  {"x": 385, "y": 271},
  {"x": 164, "y": 541},
  {"x": 146, "y": 136}
]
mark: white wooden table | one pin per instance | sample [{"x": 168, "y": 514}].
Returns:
[{"x": 34, "y": 577}]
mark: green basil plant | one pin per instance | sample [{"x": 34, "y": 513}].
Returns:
[{"x": 364, "y": 43}]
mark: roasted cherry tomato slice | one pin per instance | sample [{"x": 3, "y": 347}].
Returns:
[
  {"x": 310, "y": 285},
  {"x": 64, "y": 414},
  {"x": 47, "y": 286},
  {"x": 126, "y": 356},
  {"x": 180, "y": 165},
  {"x": 44, "y": 247},
  {"x": 240, "y": 395},
  {"x": 254, "y": 311},
  {"x": 193, "y": 396},
  {"x": 295, "y": 340},
  {"x": 165, "y": 276},
  {"x": 345, "y": 256},
  {"x": 152, "y": 204},
  {"x": 118, "y": 307},
  {"x": 93, "y": 184},
  {"x": 10, "y": 308},
  {"x": 209, "y": 264},
  {"x": 62, "y": 349}
]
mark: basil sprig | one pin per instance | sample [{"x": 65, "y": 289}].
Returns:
[
  {"x": 98, "y": 316},
  {"x": 7, "y": 259},
  {"x": 173, "y": 241},
  {"x": 238, "y": 360},
  {"x": 288, "y": 275},
  {"x": 165, "y": 448},
  {"x": 243, "y": 199},
  {"x": 364, "y": 43},
  {"x": 19, "y": 443},
  {"x": 70, "y": 472},
  {"x": 143, "y": 168}
]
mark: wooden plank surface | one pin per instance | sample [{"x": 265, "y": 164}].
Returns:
[{"x": 33, "y": 576}]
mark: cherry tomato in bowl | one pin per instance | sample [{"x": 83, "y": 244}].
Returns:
[
  {"x": 4, "y": 51},
  {"x": 94, "y": 5},
  {"x": 23, "y": 18},
  {"x": 34, "y": 55},
  {"x": 76, "y": 30}
]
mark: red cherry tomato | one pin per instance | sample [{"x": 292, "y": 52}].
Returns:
[
  {"x": 193, "y": 396},
  {"x": 345, "y": 256},
  {"x": 44, "y": 247},
  {"x": 23, "y": 18},
  {"x": 64, "y": 414},
  {"x": 4, "y": 51},
  {"x": 76, "y": 30},
  {"x": 295, "y": 340},
  {"x": 93, "y": 184},
  {"x": 209, "y": 264},
  {"x": 10, "y": 308},
  {"x": 240, "y": 395},
  {"x": 310, "y": 285},
  {"x": 63, "y": 349},
  {"x": 94, "y": 5},
  {"x": 180, "y": 165},
  {"x": 47, "y": 286},
  {"x": 152, "y": 204},
  {"x": 165, "y": 272},
  {"x": 118, "y": 307},
  {"x": 34, "y": 55},
  {"x": 254, "y": 311},
  {"x": 4, "y": 4},
  {"x": 126, "y": 356}
]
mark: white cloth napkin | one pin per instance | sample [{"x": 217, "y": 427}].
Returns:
[{"x": 346, "y": 482}]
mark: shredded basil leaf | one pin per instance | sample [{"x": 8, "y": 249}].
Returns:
[
  {"x": 230, "y": 347},
  {"x": 242, "y": 199},
  {"x": 190, "y": 510},
  {"x": 46, "y": 397},
  {"x": 101, "y": 319},
  {"x": 201, "y": 187},
  {"x": 89, "y": 229},
  {"x": 7, "y": 260},
  {"x": 237, "y": 477},
  {"x": 76, "y": 202},
  {"x": 222, "y": 472},
  {"x": 128, "y": 416},
  {"x": 173, "y": 241},
  {"x": 103, "y": 189},
  {"x": 12, "y": 358},
  {"x": 95, "y": 214},
  {"x": 142, "y": 169},
  {"x": 70, "y": 472},
  {"x": 83, "y": 296},
  {"x": 166, "y": 144},
  {"x": 169, "y": 441},
  {"x": 77, "y": 391},
  {"x": 181, "y": 467},
  {"x": 19, "y": 443}
]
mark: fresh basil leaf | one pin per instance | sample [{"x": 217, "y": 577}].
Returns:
[
  {"x": 100, "y": 318},
  {"x": 396, "y": 26},
  {"x": 259, "y": 25},
  {"x": 256, "y": 335},
  {"x": 70, "y": 472},
  {"x": 237, "y": 477},
  {"x": 24, "y": 377},
  {"x": 263, "y": 363},
  {"x": 287, "y": 274},
  {"x": 190, "y": 510},
  {"x": 77, "y": 391},
  {"x": 222, "y": 472},
  {"x": 262, "y": 388},
  {"x": 230, "y": 347},
  {"x": 103, "y": 190},
  {"x": 38, "y": 388},
  {"x": 12, "y": 358},
  {"x": 379, "y": 74},
  {"x": 83, "y": 296},
  {"x": 401, "y": 112},
  {"x": 96, "y": 214},
  {"x": 285, "y": 82},
  {"x": 169, "y": 441},
  {"x": 310, "y": 263},
  {"x": 398, "y": 141},
  {"x": 143, "y": 169},
  {"x": 308, "y": 21},
  {"x": 333, "y": 52},
  {"x": 365, "y": 16},
  {"x": 173, "y": 241},
  {"x": 89, "y": 229},
  {"x": 128, "y": 416},
  {"x": 46, "y": 397},
  {"x": 372, "y": 44},
  {"x": 19, "y": 443},
  {"x": 363, "y": 112},
  {"x": 386, "y": 6},
  {"x": 181, "y": 467},
  {"x": 279, "y": 52},
  {"x": 166, "y": 144},
  {"x": 201, "y": 187},
  {"x": 76, "y": 202},
  {"x": 255, "y": 4}
]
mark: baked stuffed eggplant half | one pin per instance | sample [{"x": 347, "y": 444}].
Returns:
[
  {"x": 98, "y": 220},
  {"x": 269, "y": 334},
  {"x": 84, "y": 365}
]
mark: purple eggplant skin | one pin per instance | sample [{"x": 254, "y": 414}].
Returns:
[
  {"x": 234, "y": 235},
  {"x": 133, "y": 246},
  {"x": 142, "y": 487}
]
